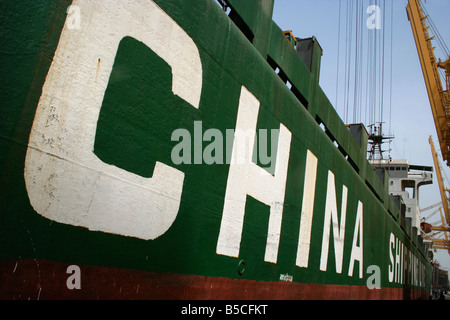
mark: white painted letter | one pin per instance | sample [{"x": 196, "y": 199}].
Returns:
[
  {"x": 247, "y": 178},
  {"x": 66, "y": 182},
  {"x": 357, "y": 252},
  {"x": 397, "y": 260},
  {"x": 391, "y": 257},
  {"x": 331, "y": 217},
  {"x": 309, "y": 191}
]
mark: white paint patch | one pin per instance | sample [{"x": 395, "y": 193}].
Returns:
[{"x": 66, "y": 182}]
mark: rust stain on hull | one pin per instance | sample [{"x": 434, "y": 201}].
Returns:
[{"x": 98, "y": 68}]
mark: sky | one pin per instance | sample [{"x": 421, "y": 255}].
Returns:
[{"x": 405, "y": 109}]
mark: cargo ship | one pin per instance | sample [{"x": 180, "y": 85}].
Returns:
[{"x": 184, "y": 150}]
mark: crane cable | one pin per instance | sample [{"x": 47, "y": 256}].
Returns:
[{"x": 364, "y": 73}]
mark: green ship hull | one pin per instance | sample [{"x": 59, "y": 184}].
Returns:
[{"x": 122, "y": 177}]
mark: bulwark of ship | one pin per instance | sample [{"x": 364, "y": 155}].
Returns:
[{"x": 93, "y": 205}]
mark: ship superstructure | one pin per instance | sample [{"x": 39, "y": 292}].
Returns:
[{"x": 404, "y": 182}]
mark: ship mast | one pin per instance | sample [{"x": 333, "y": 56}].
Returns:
[{"x": 376, "y": 140}]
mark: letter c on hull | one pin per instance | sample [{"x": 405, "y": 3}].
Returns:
[{"x": 66, "y": 182}]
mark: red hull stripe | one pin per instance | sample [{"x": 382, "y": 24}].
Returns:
[{"x": 47, "y": 280}]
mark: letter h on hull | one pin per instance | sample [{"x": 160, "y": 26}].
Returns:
[{"x": 247, "y": 178}]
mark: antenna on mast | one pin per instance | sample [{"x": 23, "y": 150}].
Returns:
[{"x": 376, "y": 140}]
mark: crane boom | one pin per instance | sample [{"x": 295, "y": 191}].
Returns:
[
  {"x": 444, "y": 244},
  {"x": 439, "y": 98},
  {"x": 440, "y": 180}
]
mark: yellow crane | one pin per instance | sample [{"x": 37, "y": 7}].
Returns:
[
  {"x": 440, "y": 243},
  {"x": 438, "y": 96}
]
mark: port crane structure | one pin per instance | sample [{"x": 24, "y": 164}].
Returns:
[
  {"x": 438, "y": 89},
  {"x": 438, "y": 92}
]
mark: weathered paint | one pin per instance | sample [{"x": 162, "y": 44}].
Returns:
[
  {"x": 87, "y": 177},
  {"x": 249, "y": 179},
  {"x": 125, "y": 284},
  {"x": 66, "y": 181}
]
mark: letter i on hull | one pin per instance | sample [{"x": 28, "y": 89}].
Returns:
[{"x": 309, "y": 192}]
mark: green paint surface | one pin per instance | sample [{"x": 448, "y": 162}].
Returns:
[{"x": 138, "y": 116}]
